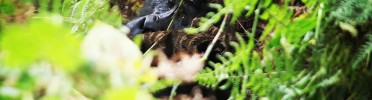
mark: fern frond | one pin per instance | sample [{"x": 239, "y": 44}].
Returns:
[
  {"x": 363, "y": 53},
  {"x": 354, "y": 11}
]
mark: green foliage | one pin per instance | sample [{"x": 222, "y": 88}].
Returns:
[
  {"x": 131, "y": 93},
  {"x": 7, "y": 7},
  {"x": 363, "y": 53},
  {"x": 311, "y": 56},
  {"x": 345, "y": 16},
  {"x": 81, "y": 13},
  {"x": 52, "y": 43},
  {"x": 40, "y": 57},
  {"x": 354, "y": 12},
  {"x": 236, "y": 7},
  {"x": 300, "y": 58}
]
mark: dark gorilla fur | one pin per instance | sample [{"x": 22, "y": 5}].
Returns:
[{"x": 156, "y": 15}]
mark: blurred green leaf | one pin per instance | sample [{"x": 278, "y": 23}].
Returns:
[
  {"x": 44, "y": 37},
  {"x": 7, "y": 7},
  {"x": 127, "y": 93}
]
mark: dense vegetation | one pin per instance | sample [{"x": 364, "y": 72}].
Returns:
[{"x": 76, "y": 49}]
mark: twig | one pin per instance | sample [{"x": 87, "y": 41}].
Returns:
[
  {"x": 210, "y": 46},
  {"x": 174, "y": 15},
  {"x": 152, "y": 46},
  {"x": 240, "y": 24},
  {"x": 173, "y": 92}
]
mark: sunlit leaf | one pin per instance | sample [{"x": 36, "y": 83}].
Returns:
[{"x": 42, "y": 38}]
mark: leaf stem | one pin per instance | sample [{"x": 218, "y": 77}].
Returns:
[
  {"x": 174, "y": 88},
  {"x": 210, "y": 46}
]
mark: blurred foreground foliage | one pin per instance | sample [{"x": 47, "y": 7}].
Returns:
[
  {"x": 42, "y": 37},
  {"x": 322, "y": 54},
  {"x": 41, "y": 52}
]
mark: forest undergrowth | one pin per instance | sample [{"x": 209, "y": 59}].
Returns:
[{"x": 272, "y": 49}]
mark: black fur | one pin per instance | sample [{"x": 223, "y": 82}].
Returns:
[{"x": 156, "y": 15}]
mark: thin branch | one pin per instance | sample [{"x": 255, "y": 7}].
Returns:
[
  {"x": 210, "y": 46},
  {"x": 240, "y": 24},
  {"x": 174, "y": 15},
  {"x": 152, "y": 46},
  {"x": 173, "y": 91}
]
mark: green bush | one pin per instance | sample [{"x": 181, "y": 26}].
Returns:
[{"x": 324, "y": 53}]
